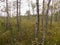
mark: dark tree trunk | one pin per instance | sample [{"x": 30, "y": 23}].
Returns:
[
  {"x": 37, "y": 20},
  {"x": 19, "y": 20},
  {"x": 17, "y": 16},
  {"x": 19, "y": 13},
  {"x": 20, "y": 31}
]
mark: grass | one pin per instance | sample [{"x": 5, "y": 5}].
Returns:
[{"x": 27, "y": 32}]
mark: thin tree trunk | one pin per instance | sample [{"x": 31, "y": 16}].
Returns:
[
  {"x": 18, "y": 25},
  {"x": 37, "y": 24},
  {"x": 19, "y": 19},
  {"x": 32, "y": 7},
  {"x": 47, "y": 14},
  {"x": 20, "y": 31},
  {"x": 45, "y": 24},
  {"x": 33, "y": 11},
  {"x": 28, "y": 17},
  {"x": 56, "y": 17},
  {"x": 51, "y": 17},
  {"x": 7, "y": 18},
  {"x": 59, "y": 15},
  {"x": 8, "y": 23},
  {"x": 52, "y": 12},
  {"x": 20, "y": 14},
  {"x": 43, "y": 40},
  {"x": 37, "y": 21}
]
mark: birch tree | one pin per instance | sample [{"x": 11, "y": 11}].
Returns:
[
  {"x": 45, "y": 23},
  {"x": 37, "y": 19},
  {"x": 52, "y": 13},
  {"x": 47, "y": 11},
  {"x": 51, "y": 19},
  {"x": 7, "y": 18},
  {"x": 43, "y": 40},
  {"x": 37, "y": 24}
]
